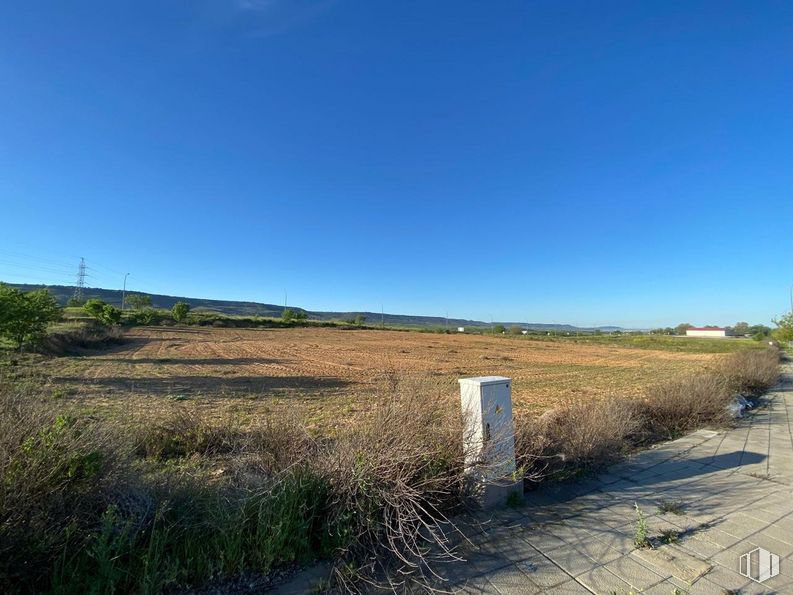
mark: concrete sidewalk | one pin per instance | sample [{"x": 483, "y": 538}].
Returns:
[{"x": 732, "y": 491}]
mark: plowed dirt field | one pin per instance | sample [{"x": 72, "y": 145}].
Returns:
[{"x": 325, "y": 374}]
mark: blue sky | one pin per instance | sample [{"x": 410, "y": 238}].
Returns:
[{"x": 593, "y": 163}]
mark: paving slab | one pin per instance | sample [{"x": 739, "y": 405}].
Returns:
[{"x": 674, "y": 561}]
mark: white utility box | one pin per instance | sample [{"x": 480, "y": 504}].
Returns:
[{"x": 489, "y": 439}]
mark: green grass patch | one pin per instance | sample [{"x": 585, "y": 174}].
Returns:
[{"x": 667, "y": 343}]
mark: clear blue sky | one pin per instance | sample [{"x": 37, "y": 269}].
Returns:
[{"x": 586, "y": 162}]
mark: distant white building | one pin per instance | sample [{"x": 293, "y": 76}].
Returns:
[
  {"x": 706, "y": 332},
  {"x": 460, "y": 329}
]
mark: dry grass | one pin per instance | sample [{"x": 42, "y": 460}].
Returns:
[{"x": 185, "y": 433}]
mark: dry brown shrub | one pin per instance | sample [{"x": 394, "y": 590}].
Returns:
[
  {"x": 752, "y": 372},
  {"x": 395, "y": 478},
  {"x": 575, "y": 437},
  {"x": 686, "y": 403}
]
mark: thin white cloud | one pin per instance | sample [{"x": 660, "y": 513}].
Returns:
[
  {"x": 256, "y": 5},
  {"x": 263, "y": 18}
]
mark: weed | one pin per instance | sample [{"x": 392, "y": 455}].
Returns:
[
  {"x": 515, "y": 500},
  {"x": 763, "y": 476},
  {"x": 641, "y": 537},
  {"x": 669, "y": 536},
  {"x": 671, "y": 506}
]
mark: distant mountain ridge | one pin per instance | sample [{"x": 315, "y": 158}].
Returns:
[{"x": 113, "y": 296}]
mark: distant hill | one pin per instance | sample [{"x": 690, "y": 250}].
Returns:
[{"x": 113, "y": 296}]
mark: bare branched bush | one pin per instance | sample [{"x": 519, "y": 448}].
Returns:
[
  {"x": 578, "y": 436},
  {"x": 752, "y": 372},
  {"x": 395, "y": 479},
  {"x": 685, "y": 403}
]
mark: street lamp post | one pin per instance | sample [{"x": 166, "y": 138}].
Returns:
[{"x": 124, "y": 291}]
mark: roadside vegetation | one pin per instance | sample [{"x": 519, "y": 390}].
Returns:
[{"x": 92, "y": 505}]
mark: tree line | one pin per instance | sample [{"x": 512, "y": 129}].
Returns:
[
  {"x": 25, "y": 316},
  {"x": 739, "y": 329}
]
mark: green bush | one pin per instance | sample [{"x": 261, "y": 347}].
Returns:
[
  {"x": 103, "y": 312},
  {"x": 94, "y": 307},
  {"x": 183, "y": 433},
  {"x": 59, "y": 474},
  {"x": 111, "y": 315},
  {"x": 145, "y": 316}
]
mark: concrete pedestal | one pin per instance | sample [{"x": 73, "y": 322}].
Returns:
[{"x": 494, "y": 493}]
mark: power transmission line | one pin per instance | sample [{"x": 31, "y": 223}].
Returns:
[
  {"x": 27, "y": 257},
  {"x": 39, "y": 268}
]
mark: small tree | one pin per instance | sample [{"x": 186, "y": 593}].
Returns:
[
  {"x": 741, "y": 328},
  {"x": 300, "y": 316},
  {"x": 24, "y": 316},
  {"x": 288, "y": 315},
  {"x": 138, "y": 301},
  {"x": 516, "y": 330},
  {"x": 73, "y": 302},
  {"x": 759, "y": 330},
  {"x": 681, "y": 328},
  {"x": 499, "y": 329},
  {"x": 179, "y": 311},
  {"x": 94, "y": 308},
  {"x": 360, "y": 319},
  {"x": 784, "y": 330}
]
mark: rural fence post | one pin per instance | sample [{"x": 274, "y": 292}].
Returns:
[{"x": 489, "y": 441}]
